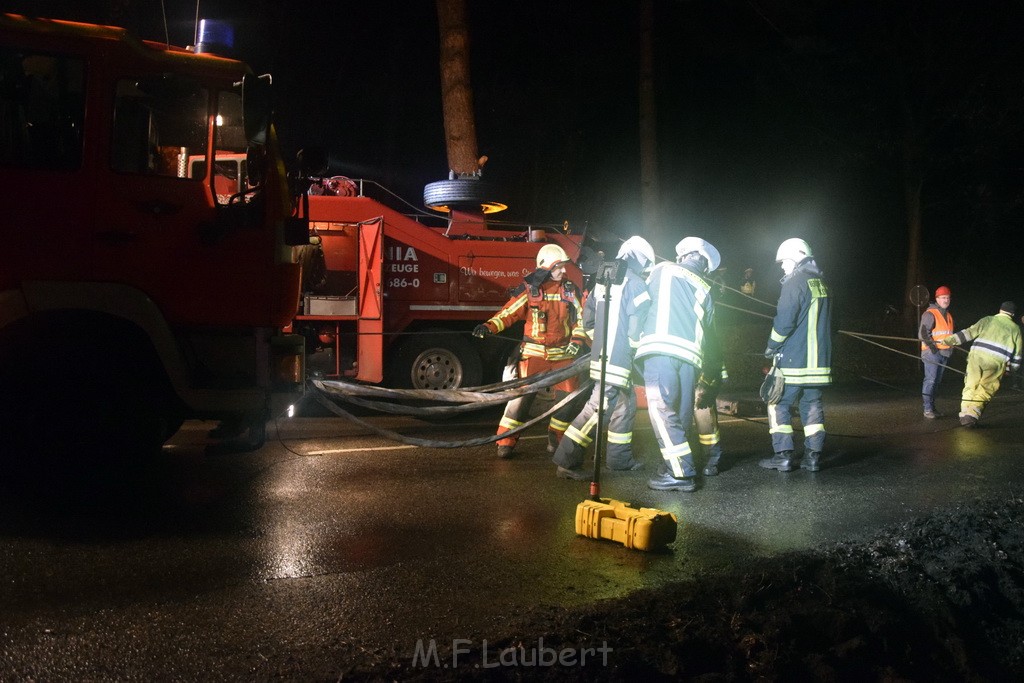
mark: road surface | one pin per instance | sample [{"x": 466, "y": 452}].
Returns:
[{"x": 332, "y": 546}]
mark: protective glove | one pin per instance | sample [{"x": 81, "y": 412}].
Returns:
[
  {"x": 951, "y": 340},
  {"x": 769, "y": 353},
  {"x": 706, "y": 394},
  {"x": 572, "y": 349},
  {"x": 481, "y": 331}
]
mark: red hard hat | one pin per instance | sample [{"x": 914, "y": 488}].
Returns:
[{"x": 943, "y": 291}]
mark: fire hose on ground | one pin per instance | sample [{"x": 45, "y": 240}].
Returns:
[{"x": 471, "y": 399}]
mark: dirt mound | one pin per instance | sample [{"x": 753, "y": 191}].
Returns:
[{"x": 938, "y": 598}]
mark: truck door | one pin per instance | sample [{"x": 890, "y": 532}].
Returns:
[
  {"x": 370, "y": 328},
  {"x": 161, "y": 225}
]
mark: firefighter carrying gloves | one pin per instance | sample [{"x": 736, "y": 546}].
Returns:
[
  {"x": 481, "y": 331},
  {"x": 671, "y": 350},
  {"x": 624, "y": 313},
  {"x": 549, "y": 304},
  {"x": 995, "y": 350},
  {"x": 801, "y": 340},
  {"x": 936, "y": 325},
  {"x": 705, "y": 412}
]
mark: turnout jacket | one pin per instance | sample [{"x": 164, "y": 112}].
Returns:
[
  {"x": 681, "y": 310},
  {"x": 627, "y": 308},
  {"x": 553, "y": 315},
  {"x": 996, "y": 336},
  {"x": 802, "y": 328}
]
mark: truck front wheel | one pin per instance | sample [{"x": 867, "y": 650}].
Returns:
[
  {"x": 93, "y": 394},
  {"x": 436, "y": 361}
]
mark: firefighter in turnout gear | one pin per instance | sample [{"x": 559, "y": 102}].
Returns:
[
  {"x": 627, "y": 307},
  {"x": 995, "y": 350},
  {"x": 672, "y": 353},
  {"x": 801, "y": 343},
  {"x": 936, "y": 325},
  {"x": 549, "y": 303}
]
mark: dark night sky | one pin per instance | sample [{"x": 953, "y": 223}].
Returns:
[{"x": 773, "y": 119}]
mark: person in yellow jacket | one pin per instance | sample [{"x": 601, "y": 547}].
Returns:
[
  {"x": 936, "y": 325},
  {"x": 995, "y": 349}
]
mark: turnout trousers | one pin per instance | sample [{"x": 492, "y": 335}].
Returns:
[
  {"x": 812, "y": 415},
  {"x": 670, "y": 384},
  {"x": 984, "y": 374},
  {"x": 517, "y": 411},
  {"x": 619, "y": 415}
]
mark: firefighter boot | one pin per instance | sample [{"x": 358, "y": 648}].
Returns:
[
  {"x": 666, "y": 482},
  {"x": 811, "y": 461},
  {"x": 504, "y": 452},
  {"x": 783, "y": 462},
  {"x": 553, "y": 439},
  {"x": 714, "y": 457},
  {"x": 566, "y": 473}
]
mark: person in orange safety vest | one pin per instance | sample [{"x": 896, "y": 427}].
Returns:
[
  {"x": 550, "y": 304},
  {"x": 936, "y": 325}
]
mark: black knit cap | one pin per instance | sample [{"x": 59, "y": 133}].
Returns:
[{"x": 1008, "y": 307}]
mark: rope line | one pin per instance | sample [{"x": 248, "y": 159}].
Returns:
[{"x": 326, "y": 392}]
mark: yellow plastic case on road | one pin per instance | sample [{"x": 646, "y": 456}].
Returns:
[{"x": 615, "y": 520}]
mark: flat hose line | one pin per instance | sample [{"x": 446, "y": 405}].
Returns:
[
  {"x": 431, "y": 443},
  {"x": 472, "y": 401}
]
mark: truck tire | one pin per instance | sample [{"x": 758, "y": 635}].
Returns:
[
  {"x": 457, "y": 193},
  {"x": 435, "y": 361},
  {"x": 100, "y": 395}
]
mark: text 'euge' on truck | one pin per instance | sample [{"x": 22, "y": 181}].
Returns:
[{"x": 403, "y": 290}]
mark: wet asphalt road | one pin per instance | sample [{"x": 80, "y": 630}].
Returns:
[{"x": 331, "y": 546}]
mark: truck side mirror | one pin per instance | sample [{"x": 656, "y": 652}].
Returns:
[{"x": 256, "y": 108}]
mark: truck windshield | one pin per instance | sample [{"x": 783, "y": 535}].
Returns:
[
  {"x": 230, "y": 172},
  {"x": 158, "y": 124}
]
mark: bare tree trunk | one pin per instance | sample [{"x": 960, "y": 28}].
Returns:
[
  {"x": 912, "y": 200},
  {"x": 913, "y": 181},
  {"x": 649, "y": 191},
  {"x": 456, "y": 94}
]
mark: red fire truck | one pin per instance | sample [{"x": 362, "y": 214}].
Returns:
[
  {"x": 134, "y": 293},
  {"x": 404, "y": 289}
]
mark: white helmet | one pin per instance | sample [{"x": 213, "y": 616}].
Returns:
[
  {"x": 638, "y": 248},
  {"x": 689, "y": 245},
  {"x": 550, "y": 255},
  {"x": 794, "y": 249}
]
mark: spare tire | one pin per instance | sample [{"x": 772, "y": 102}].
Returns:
[{"x": 460, "y": 193}]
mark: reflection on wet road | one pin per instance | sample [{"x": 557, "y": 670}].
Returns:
[{"x": 329, "y": 542}]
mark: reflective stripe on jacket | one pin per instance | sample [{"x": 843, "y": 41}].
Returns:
[
  {"x": 628, "y": 304},
  {"x": 942, "y": 327},
  {"x": 553, "y": 316},
  {"x": 681, "y": 309},
  {"x": 997, "y": 336},
  {"x": 802, "y": 328}
]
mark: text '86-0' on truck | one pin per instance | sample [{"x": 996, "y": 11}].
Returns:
[
  {"x": 400, "y": 290},
  {"x": 140, "y": 282}
]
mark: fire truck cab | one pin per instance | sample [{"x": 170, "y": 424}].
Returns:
[{"x": 141, "y": 281}]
